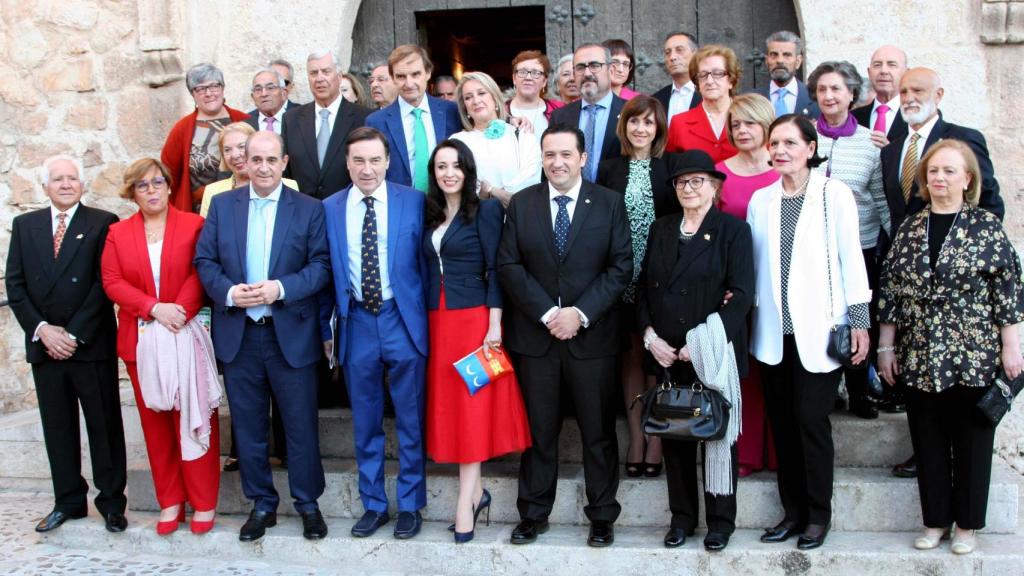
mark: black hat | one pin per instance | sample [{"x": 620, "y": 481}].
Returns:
[{"x": 689, "y": 162}]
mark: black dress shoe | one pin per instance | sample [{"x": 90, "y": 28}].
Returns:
[
  {"x": 408, "y": 525},
  {"x": 116, "y": 522},
  {"x": 601, "y": 534},
  {"x": 781, "y": 532},
  {"x": 256, "y": 526},
  {"x": 864, "y": 409},
  {"x": 369, "y": 523},
  {"x": 892, "y": 406},
  {"x": 231, "y": 464},
  {"x": 675, "y": 537},
  {"x": 313, "y": 525},
  {"x": 813, "y": 537},
  {"x": 526, "y": 531},
  {"x": 906, "y": 469},
  {"x": 55, "y": 519},
  {"x": 716, "y": 541}
]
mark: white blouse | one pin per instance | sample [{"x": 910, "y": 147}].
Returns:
[
  {"x": 507, "y": 162},
  {"x": 154, "y": 262},
  {"x": 435, "y": 239}
]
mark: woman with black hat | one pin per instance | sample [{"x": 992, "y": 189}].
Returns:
[{"x": 693, "y": 260}]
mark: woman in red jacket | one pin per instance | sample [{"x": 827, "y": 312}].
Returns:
[
  {"x": 147, "y": 271},
  {"x": 192, "y": 150},
  {"x": 716, "y": 72}
]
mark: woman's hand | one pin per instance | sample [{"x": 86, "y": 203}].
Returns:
[
  {"x": 170, "y": 316},
  {"x": 684, "y": 354},
  {"x": 887, "y": 366},
  {"x": 1013, "y": 362},
  {"x": 662, "y": 352},
  {"x": 492, "y": 340},
  {"x": 503, "y": 196},
  {"x": 860, "y": 342}
]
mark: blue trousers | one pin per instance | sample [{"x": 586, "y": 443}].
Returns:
[{"x": 375, "y": 343}]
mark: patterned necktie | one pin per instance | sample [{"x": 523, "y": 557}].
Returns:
[
  {"x": 420, "y": 150},
  {"x": 270, "y": 128},
  {"x": 58, "y": 236},
  {"x": 588, "y": 140},
  {"x": 562, "y": 225},
  {"x": 880, "y": 118},
  {"x": 324, "y": 136},
  {"x": 780, "y": 102},
  {"x": 909, "y": 167},
  {"x": 256, "y": 252},
  {"x": 370, "y": 281}
]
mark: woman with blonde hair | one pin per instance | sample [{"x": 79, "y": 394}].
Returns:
[{"x": 232, "y": 153}]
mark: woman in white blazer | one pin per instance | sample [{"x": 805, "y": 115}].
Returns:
[{"x": 796, "y": 255}]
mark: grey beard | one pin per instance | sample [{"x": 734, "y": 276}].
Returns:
[{"x": 781, "y": 76}]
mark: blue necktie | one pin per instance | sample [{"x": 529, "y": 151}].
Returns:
[
  {"x": 588, "y": 139},
  {"x": 780, "y": 102},
  {"x": 255, "y": 252},
  {"x": 562, "y": 225},
  {"x": 370, "y": 278}
]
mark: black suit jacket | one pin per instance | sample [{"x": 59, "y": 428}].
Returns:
[
  {"x": 570, "y": 114},
  {"x": 897, "y": 130},
  {"x": 591, "y": 276},
  {"x": 665, "y": 96},
  {"x": 804, "y": 103},
  {"x": 614, "y": 174},
  {"x": 470, "y": 254},
  {"x": 891, "y": 157},
  {"x": 64, "y": 292},
  {"x": 299, "y": 134},
  {"x": 679, "y": 288},
  {"x": 254, "y": 113}
]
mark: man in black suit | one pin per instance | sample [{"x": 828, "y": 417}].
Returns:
[
  {"x": 681, "y": 95},
  {"x": 317, "y": 157},
  {"x": 270, "y": 96},
  {"x": 784, "y": 57},
  {"x": 888, "y": 64},
  {"x": 596, "y": 113},
  {"x": 566, "y": 250},
  {"x": 54, "y": 287}
]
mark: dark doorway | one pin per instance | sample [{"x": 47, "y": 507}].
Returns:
[{"x": 484, "y": 40}]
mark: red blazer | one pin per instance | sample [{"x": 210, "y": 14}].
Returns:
[
  {"x": 691, "y": 130},
  {"x": 128, "y": 276},
  {"x": 176, "y": 152}
]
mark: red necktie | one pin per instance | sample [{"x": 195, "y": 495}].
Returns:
[
  {"x": 880, "y": 118},
  {"x": 58, "y": 237}
]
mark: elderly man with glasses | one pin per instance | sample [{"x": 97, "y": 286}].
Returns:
[{"x": 270, "y": 94}]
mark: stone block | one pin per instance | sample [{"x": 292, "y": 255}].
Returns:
[
  {"x": 32, "y": 123},
  {"x": 107, "y": 184},
  {"x": 71, "y": 75},
  {"x": 25, "y": 191},
  {"x": 88, "y": 114},
  {"x": 1015, "y": 22},
  {"x": 93, "y": 155},
  {"x": 145, "y": 116},
  {"x": 120, "y": 69},
  {"x": 32, "y": 154},
  {"x": 30, "y": 48},
  {"x": 17, "y": 90},
  {"x": 993, "y": 22},
  {"x": 77, "y": 14}
]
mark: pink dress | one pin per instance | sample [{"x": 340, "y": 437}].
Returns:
[
  {"x": 755, "y": 448},
  {"x": 626, "y": 94}
]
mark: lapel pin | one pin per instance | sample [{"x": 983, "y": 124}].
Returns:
[
  {"x": 587, "y": 201},
  {"x": 707, "y": 237},
  {"x": 80, "y": 236}
]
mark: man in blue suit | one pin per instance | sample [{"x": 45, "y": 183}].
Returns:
[
  {"x": 415, "y": 122},
  {"x": 374, "y": 229},
  {"x": 788, "y": 95},
  {"x": 262, "y": 257}
]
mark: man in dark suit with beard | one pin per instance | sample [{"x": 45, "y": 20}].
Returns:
[{"x": 566, "y": 249}]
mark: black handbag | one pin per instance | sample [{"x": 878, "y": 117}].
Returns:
[
  {"x": 693, "y": 412},
  {"x": 840, "y": 337},
  {"x": 996, "y": 402}
]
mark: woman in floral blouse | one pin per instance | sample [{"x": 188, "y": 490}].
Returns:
[{"x": 949, "y": 309}]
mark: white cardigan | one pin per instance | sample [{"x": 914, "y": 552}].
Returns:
[{"x": 808, "y": 272}]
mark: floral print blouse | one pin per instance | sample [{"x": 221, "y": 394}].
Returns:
[{"x": 948, "y": 320}]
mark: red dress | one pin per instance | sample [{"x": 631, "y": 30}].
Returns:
[{"x": 463, "y": 428}]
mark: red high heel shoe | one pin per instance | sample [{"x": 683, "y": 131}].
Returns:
[
  {"x": 201, "y": 526},
  {"x": 165, "y": 527}
]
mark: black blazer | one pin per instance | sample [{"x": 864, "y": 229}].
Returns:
[
  {"x": 898, "y": 128},
  {"x": 470, "y": 254},
  {"x": 570, "y": 114},
  {"x": 679, "y": 289},
  {"x": 665, "y": 96},
  {"x": 614, "y": 174},
  {"x": 805, "y": 105},
  {"x": 254, "y": 114},
  {"x": 299, "y": 134},
  {"x": 891, "y": 157},
  {"x": 64, "y": 292},
  {"x": 591, "y": 276}
]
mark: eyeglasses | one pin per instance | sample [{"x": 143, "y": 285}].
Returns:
[
  {"x": 594, "y": 67},
  {"x": 715, "y": 74},
  {"x": 156, "y": 184},
  {"x": 621, "y": 64},
  {"x": 201, "y": 90},
  {"x": 378, "y": 79},
  {"x": 694, "y": 183},
  {"x": 524, "y": 73},
  {"x": 265, "y": 88}
]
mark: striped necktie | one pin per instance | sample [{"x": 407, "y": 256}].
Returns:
[{"x": 909, "y": 167}]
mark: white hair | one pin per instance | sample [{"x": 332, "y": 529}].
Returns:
[
  {"x": 323, "y": 54},
  {"x": 277, "y": 75},
  {"x": 44, "y": 171}
]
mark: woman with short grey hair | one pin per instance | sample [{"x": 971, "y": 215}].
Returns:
[
  {"x": 855, "y": 161},
  {"x": 192, "y": 149}
]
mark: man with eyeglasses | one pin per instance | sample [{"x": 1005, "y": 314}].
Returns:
[
  {"x": 382, "y": 88},
  {"x": 682, "y": 94},
  {"x": 597, "y": 112},
  {"x": 786, "y": 92},
  {"x": 270, "y": 96}
]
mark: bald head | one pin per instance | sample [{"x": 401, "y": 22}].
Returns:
[
  {"x": 265, "y": 161},
  {"x": 886, "y": 69},
  {"x": 920, "y": 95}
]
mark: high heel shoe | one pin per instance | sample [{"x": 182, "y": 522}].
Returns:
[
  {"x": 165, "y": 527},
  {"x": 485, "y": 503},
  {"x": 201, "y": 526}
]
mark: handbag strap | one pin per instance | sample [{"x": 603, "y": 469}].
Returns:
[{"x": 828, "y": 250}]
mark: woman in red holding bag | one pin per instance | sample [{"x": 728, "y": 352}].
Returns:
[{"x": 464, "y": 300}]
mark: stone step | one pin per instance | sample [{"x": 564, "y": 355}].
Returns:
[
  {"x": 858, "y": 442},
  {"x": 864, "y": 499},
  {"x": 561, "y": 551}
]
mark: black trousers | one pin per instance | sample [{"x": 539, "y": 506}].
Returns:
[
  {"x": 682, "y": 474},
  {"x": 857, "y": 380},
  {"x": 593, "y": 390},
  {"x": 798, "y": 404},
  {"x": 953, "y": 443},
  {"x": 60, "y": 387}
]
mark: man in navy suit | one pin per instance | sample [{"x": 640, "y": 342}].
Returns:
[
  {"x": 681, "y": 95},
  {"x": 415, "y": 122},
  {"x": 262, "y": 257},
  {"x": 787, "y": 94},
  {"x": 888, "y": 64},
  {"x": 287, "y": 72},
  {"x": 271, "y": 99},
  {"x": 374, "y": 229}
]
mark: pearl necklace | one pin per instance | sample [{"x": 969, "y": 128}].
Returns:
[{"x": 800, "y": 189}]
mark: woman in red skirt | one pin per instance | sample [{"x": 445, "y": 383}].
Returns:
[{"x": 464, "y": 300}]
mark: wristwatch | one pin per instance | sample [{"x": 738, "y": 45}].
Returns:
[{"x": 649, "y": 339}]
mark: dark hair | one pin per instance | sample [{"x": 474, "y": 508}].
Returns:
[
  {"x": 807, "y": 133},
  {"x": 562, "y": 128},
  {"x": 617, "y": 46},
  {"x": 469, "y": 202},
  {"x": 693, "y": 39},
  {"x": 366, "y": 133},
  {"x": 640, "y": 106}
]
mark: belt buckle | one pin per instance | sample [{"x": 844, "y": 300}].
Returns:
[{"x": 262, "y": 320}]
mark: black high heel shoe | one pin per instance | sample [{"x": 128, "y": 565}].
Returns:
[{"x": 485, "y": 503}]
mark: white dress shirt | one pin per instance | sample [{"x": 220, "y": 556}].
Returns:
[
  {"x": 332, "y": 117},
  {"x": 890, "y": 116},
  {"x": 924, "y": 131},
  {"x": 54, "y": 222},
  {"x": 792, "y": 89},
  {"x": 269, "y": 217},
  {"x": 570, "y": 207},
  {"x": 355, "y": 212},
  {"x": 278, "y": 119},
  {"x": 680, "y": 100},
  {"x": 409, "y": 125}
]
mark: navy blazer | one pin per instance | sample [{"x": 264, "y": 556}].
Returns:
[
  {"x": 665, "y": 97},
  {"x": 298, "y": 258},
  {"x": 570, "y": 114},
  {"x": 469, "y": 251},
  {"x": 445, "y": 117},
  {"x": 805, "y": 105}
]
